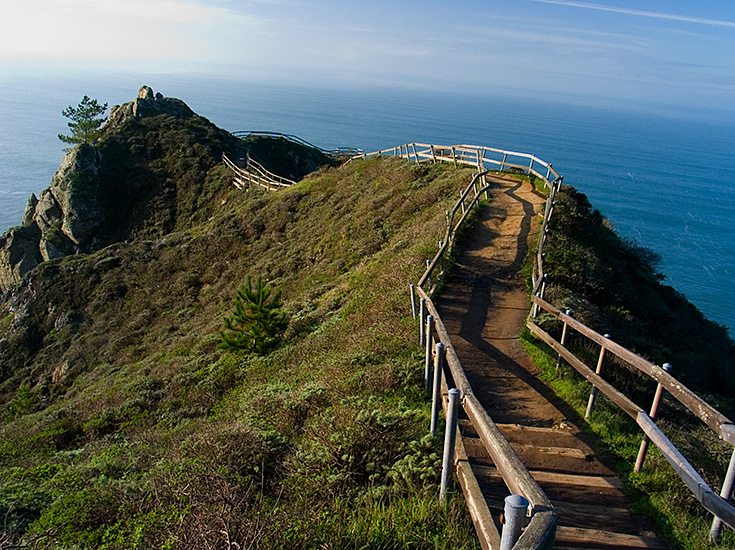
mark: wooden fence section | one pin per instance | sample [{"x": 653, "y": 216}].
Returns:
[
  {"x": 254, "y": 175},
  {"x": 722, "y": 426},
  {"x": 473, "y": 155},
  {"x": 539, "y": 534}
]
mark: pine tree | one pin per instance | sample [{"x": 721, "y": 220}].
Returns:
[
  {"x": 257, "y": 322},
  {"x": 85, "y": 122}
]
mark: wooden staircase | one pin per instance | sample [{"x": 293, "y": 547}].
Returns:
[{"x": 592, "y": 508}]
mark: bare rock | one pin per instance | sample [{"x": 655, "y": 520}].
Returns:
[{"x": 19, "y": 253}]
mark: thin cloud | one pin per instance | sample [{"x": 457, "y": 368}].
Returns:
[{"x": 652, "y": 14}]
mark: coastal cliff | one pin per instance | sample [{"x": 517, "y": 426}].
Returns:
[{"x": 141, "y": 178}]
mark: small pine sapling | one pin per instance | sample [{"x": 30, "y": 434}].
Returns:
[{"x": 257, "y": 322}]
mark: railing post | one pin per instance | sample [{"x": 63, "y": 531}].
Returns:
[
  {"x": 422, "y": 314},
  {"x": 727, "y": 488},
  {"x": 502, "y": 163},
  {"x": 515, "y": 511},
  {"x": 450, "y": 435},
  {"x": 429, "y": 352},
  {"x": 436, "y": 401},
  {"x": 413, "y": 299},
  {"x": 654, "y": 409},
  {"x": 563, "y": 340},
  {"x": 433, "y": 155},
  {"x": 461, "y": 199},
  {"x": 541, "y": 293},
  {"x": 484, "y": 184},
  {"x": 593, "y": 393},
  {"x": 454, "y": 157}
]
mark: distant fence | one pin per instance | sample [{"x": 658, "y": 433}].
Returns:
[
  {"x": 253, "y": 174},
  {"x": 338, "y": 151},
  {"x": 482, "y": 157},
  {"x": 722, "y": 426}
]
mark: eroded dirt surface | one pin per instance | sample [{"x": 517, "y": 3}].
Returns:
[{"x": 485, "y": 305}]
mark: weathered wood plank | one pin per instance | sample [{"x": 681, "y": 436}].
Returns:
[{"x": 605, "y": 538}]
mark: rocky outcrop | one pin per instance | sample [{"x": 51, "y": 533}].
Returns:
[
  {"x": 68, "y": 216},
  {"x": 148, "y": 104}
]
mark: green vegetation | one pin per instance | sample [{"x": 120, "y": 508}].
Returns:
[
  {"x": 86, "y": 119},
  {"x": 127, "y": 427},
  {"x": 257, "y": 322},
  {"x": 612, "y": 286}
]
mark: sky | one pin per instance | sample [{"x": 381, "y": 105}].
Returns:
[{"x": 676, "y": 54}]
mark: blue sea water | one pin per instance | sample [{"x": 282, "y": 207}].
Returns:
[{"x": 668, "y": 183}]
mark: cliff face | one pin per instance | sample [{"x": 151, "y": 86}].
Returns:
[{"x": 143, "y": 177}]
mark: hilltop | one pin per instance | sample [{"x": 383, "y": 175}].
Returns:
[{"x": 124, "y": 424}]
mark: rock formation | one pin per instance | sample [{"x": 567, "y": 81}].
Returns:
[{"x": 70, "y": 216}]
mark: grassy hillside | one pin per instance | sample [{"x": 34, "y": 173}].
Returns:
[{"x": 125, "y": 426}]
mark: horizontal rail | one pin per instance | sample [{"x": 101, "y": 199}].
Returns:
[
  {"x": 701, "y": 490},
  {"x": 258, "y": 176},
  {"x": 472, "y": 155},
  {"x": 698, "y": 406},
  {"x": 296, "y": 139}
]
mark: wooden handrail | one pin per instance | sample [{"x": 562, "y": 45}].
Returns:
[{"x": 698, "y": 406}]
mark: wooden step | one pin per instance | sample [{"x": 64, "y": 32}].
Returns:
[
  {"x": 579, "y": 488},
  {"x": 577, "y": 538},
  {"x": 585, "y": 516}
]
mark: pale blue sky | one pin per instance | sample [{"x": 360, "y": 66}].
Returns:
[{"x": 674, "y": 54}]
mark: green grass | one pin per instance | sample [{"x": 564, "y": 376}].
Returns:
[{"x": 152, "y": 437}]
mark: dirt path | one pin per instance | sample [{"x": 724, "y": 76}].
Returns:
[
  {"x": 485, "y": 304},
  {"x": 484, "y": 307}
]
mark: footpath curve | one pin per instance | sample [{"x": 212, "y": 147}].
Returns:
[{"x": 484, "y": 307}]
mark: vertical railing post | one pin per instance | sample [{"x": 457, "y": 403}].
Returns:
[
  {"x": 413, "y": 299},
  {"x": 502, "y": 164},
  {"x": 484, "y": 184},
  {"x": 433, "y": 155},
  {"x": 654, "y": 409},
  {"x": 454, "y": 157},
  {"x": 541, "y": 293},
  {"x": 563, "y": 340},
  {"x": 727, "y": 488},
  {"x": 450, "y": 436},
  {"x": 422, "y": 315},
  {"x": 436, "y": 401},
  {"x": 461, "y": 199},
  {"x": 429, "y": 352},
  {"x": 515, "y": 511},
  {"x": 593, "y": 393}
]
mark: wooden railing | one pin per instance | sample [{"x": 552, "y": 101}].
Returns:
[
  {"x": 254, "y": 175},
  {"x": 473, "y": 155},
  {"x": 722, "y": 426}
]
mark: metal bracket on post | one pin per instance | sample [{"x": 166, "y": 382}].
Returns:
[
  {"x": 429, "y": 349},
  {"x": 515, "y": 511},
  {"x": 436, "y": 401},
  {"x": 654, "y": 409},
  {"x": 450, "y": 436},
  {"x": 593, "y": 393}
]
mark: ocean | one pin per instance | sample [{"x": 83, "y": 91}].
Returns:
[{"x": 668, "y": 183}]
